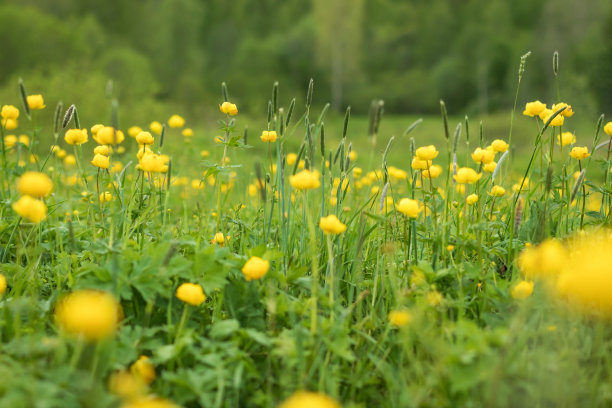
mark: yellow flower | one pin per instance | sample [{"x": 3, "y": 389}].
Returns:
[
  {"x": 557, "y": 121},
  {"x": 153, "y": 163},
  {"x": 155, "y": 127},
  {"x": 126, "y": 385},
  {"x": 305, "y": 180},
  {"x": 101, "y": 161},
  {"x": 2, "y": 284},
  {"x": 10, "y": 124},
  {"x": 419, "y": 164},
  {"x": 10, "y": 141},
  {"x": 268, "y": 136},
  {"x": 143, "y": 369},
  {"x": 426, "y": 152},
  {"x": 229, "y": 108},
  {"x": 105, "y": 197},
  {"x": 566, "y": 138},
  {"x": 104, "y": 150},
  {"x": 353, "y": 155},
  {"x": 490, "y": 167},
  {"x": 255, "y": 268},
  {"x": 107, "y": 135},
  {"x": 95, "y": 128},
  {"x": 534, "y": 108},
  {"x": 331, "y": 225},
  {"x": 400, "y": 318},
  {"x": 144, "y": 138},
  {"x": 191, "y": 293},
  {"x": 399, "y": 174},
  {"x": 219, "y": 239},
  {"x": 522, "y": 290},
  {"x": 133, "y": 131},
  {"x": 434, "y": 298},
  {"x": 608, "y": 128},
  {"x": 204, "y": 153},
  {"x": 450, "y": 247},
  {"x": 472, "y": 199},
  {"x": 187, "y": 132},
  {"x": 30, "y": 208},
  {"x": 546, "y": 260},
  {"x": 568, "y": 112},
  {"x": 36, "y": 102},
  {"x": 92, "y": 314},
  {"x": 306, "y": 399},
  {"x": 483, "y": 156},
  {"x": 9, "y": 112},
  {"x": 76, "y": 136},
  {"x": 408, "y": 207},
  {"x": 497, "y": 191},
  {"x": 70, "y": 160},
  {"x": 148, "y": 402},
  {"x": 467, "y": 175},
  {"x": 116, "y": 167},
  {"x": 291, "y": 158},
  {"x": 579, "y": 153},
  {"x": 499, "y": 146},
  {"x": 34, "y": 184},
  {"x": 176, "y": 121}
]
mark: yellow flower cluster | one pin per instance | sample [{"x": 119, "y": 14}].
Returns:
[
  {"x": 191, "y": 293},
  {"x": 33, "y": 186}
]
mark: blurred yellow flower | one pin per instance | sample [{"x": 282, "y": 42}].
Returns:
[
  {"x": 499, "y": 146},
  {"x": 133, "y": 131},
  {"x": 305, "y": 180},
  {"x": 92, "y": 314},
  {"x": 557, "y": 121},
  {"x": 204, "y": 153},
  {"x": 176, "y": 121},
  {"x": 2, "y": 284},
  {"x": 35, "y": 102},
  {"x": 579, "y": 153},
  {"x": 106, "y": 197},
  {"x": 331, "y": 225},
  {"x": 107, "y": 135},
  {"x": 255, "y": 268},
  {"x": 427, "y": 152},
  {"x": 522, "y": 290},
  {"x": 434, "y": 298},
  {"x": 472, "y": 199},
  {"x": 187, "y": 132},
  {"x": 10, "y": 124},
  {"x": 534, "y": 108},
  {"x": 101, "y": 161},
  {"x": 466, "y": 175},
  {"x": 219, "y": 239},
  {"x": 104, "y": 150},
  {"x": 143, "y": 369},
  {"x": 418, "y": 164},
  {"x": 34, "y": 184},
  {"x": 608, "y": 128},
  {"x": 153, "y": 163},
  {"x": 546, "y": 260},
  {"x": 126, "y": 385},
  {"x": 228, "y": 108},
  {"x": 483, "y": 156},
  {"x": 566, "y": 138},
  {"x": 70, "y": 160},
  {"x": 30, "y": 208},
  {"x": 9, "y": 112},
  {"x": 568, "y": 112},
  {"x": 76, "y": 136},
  {"x": 144, "y": 138},
  {"x": 268, "y": 136},
  {"x": 497, "y": 191},
  {"x": 489, "y": 167},
  {"x": 399, "y": 318},
  {"x": 408, "y": 207},
  {"x": 191, "y": 293},
  {"x": 155, "y": 127},
  {"x": 306, "y": 399}
]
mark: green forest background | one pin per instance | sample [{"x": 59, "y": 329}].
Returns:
[{"x": 170, "y": 56}]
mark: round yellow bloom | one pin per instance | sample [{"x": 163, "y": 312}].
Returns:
[
  {"x": 489, "y": 167},
  {"x": 10, "y": 141},
  {"x": 101, "y": 161},
  {"x": 434, "y": 172},
  {"x": 219, "y": 239},
  {"x": 497, "y": 191},
  {"x": 70, "y": 160},
  {"x": 176, "y": 121},
  {"x": 10, "y": 124},
  {"x": 566, "y": 138},
  {"x": 126, "y": 385},
  {"x": 331, "y": 225},
  {"x": 204, "y": 153},
  {"x": 545, "y": 261},
  {"x": 427, "y": 152},
  {"x": 557, "y": 121},
  {"x": 155, "y": 127},
  {"x": 408, "y": 207},
  {"x": 268, "y": 136},
  {"x": 9, "y": 112},
  {"x": 91, "y": 313},
  {"x": 95, "y": 128},
  {"x": 107, "y": 135},
  {"x": 104, "y": 150},
  {"x": 353, "y": 155},
  {"x": 608, "y": 128},
  {"x": 191, "y": 293},
  {"x": 499, "y": 146},
  {"x": 24, "y": 140},
  {"x": 291, "y": 159},
  {"x": 106, "y": 197},
  {"x": 143, "y": 369},
  {"x": 306, "y": 399},
  {"x": 568, "y": 112},
  {"x": 2, "y": 284},
  {"x": 579, "y": 153},
  {"x": 255, "y": 268},
  {"x": 145, "y": 138},
  {"x": 76, "y": 136},
  {"x": 34, "y": 184},
  {"x": 30, "y": 208},
  {"x": 466, "y": 175},
  {"x": 133, "y": 131},
  {"x": 153, "y": 163},
  {"x": 187, "y": 132},
  {"x": 472, "y": 199},
  {"x": 229, "y": 108},
  {"x": 418, "y": 164},
  {"x": 35, "y": 102},
  {"x": 434, "y": 298},
  {"x": 400, "y": 318},
  {"x": 522, "y": 290},
  {"x": 399, "y": 174},
  {"x": 483, "y": 156},
  {"x": 534, "y": 108},
  {"x": 305, "y": 180},
  {"x": 148, "y": 402},
  {"x": 116, "y": 167}
]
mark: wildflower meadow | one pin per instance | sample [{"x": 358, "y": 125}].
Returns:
[{"x": 297, "y": 259}]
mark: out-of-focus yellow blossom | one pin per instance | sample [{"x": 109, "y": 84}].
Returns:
[
  {"x": 107, "y": 135},
  {"x": 155, "y": 127},
  {"x": 557, "y": 121},
  {"x": 425, "y": 153},
  {"x": 566, "y": 138},
  {"x": 357, "y": 172},
  {"x": 95, "y": 128},
  {"x": 483, "y": 156},
  {"x": 2, "y": 284},
  {"x": 9, "y": 112},
  {"x": 579, "y": 153},
  {"x": 489, "y": 167},
  {"x": 70, "y": 160},
  {"x": 497, "y": 191},
  {"x": 24, "y": 140},
  {"x": 176, "y": 122},
  {"x": 187, "y": 132},
  {"x": 143, "y": 369},
  {"x": 101, "y": 161},
  {"x": 31, "y": 208},
  {"x": 608, "y": 128},
  {"x": 268, "y": 136},
  {"x": 291, "y": 159},
  {"x": 434, "y": 172},
  {"x": 534, "y": 108},
  {"x": 36, "y": 102},
  {"x": 408, "y": 207},
  {"x": 204, "y": 153},
  {"x": 400, "y": 318},
  {"x": 76, "y": 136},
  {"x": 467, "y": 175},
  {"x": 546, "y": 260},
  {"x": 10, "y": 141},
  {"x": 522, "y": 290},
  {"x": 106, "y": 197},
  {"x": 144, "y": 138},
  {"x": 255, "y": 268},
  {"x": 191, "y": 293},
  {"x": 93, "y": 314},
  {"x": 126, "y": 385},
  {"x": 434, "y": 298},
  {"x": 499, "y": 146},
  {"x": 567, "y": 112},
  {"x": 34, "y": 184},
  {"x": 229, "y": 108},
  {"x": 331, "y": 225},
  {"x": 306, "y": 399},
  {"x": 148, "y": 402},
  {"x": 353, "y": 155},
  {"x": 397, "y": 174},
  {"x": 133, "y": 131},
  {"x": 104, "y": 150},
  {"x": 472, "y": 199},
  {"x": 10, "y": 124},
  {"x": 419, "y": 164},
  {"x": 305, "y": 180},
  {"x": 219, "y": 239},
  {"x": 154, "y": 163}
]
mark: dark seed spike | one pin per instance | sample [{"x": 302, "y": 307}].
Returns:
[
  {"x": 347, "y": 116},
  {"x": 68, "y": 116},
  {"x": 57, "y": 117},
  {"x": 323, "y": 140},
  {"x": 161, "y": 136},
  {"x": 275, "y": 96},
  {"x": 24, "y": 97},
  {"x": 309, "y": 93},
  {"x": 290, "y": 112}
]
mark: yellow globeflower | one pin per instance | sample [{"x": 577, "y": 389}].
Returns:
[
  {"x": 70, "y": 160},
  {"x": 408, "y": 207},
  {"x": 2, "y": 284},
  {"x": 418, "y": 164},
  {"x": 187, "y": 132},
  {"x": 268, "y": 136},
  {"x": 305, "y": 180},
  {"x": 219, "y": 239},
  {"x": 145, "y": 138},
  {"x": 427, "y": 152},
  {"x": 92, "y": 314},
  {"x": 483, "y": 156},
  {"x": 545, "y": 261},
  {"x": 499, "y": 146},
  {"x": 566, "y": 138},
  {"x": 497, "y": 191},
  {"x": 126, "y": 385},
  {"x": 191, "y": 293},
  {"x": 255, "y": 268},
  {"x": 579, "y": 153},
  {"x": 292, "y": 158},
  {"x": 433, "y": 172},
  {"x": 204, "y": 153},
  {"x": 557, "y": 121},
  {"x": 101, "y": 161},
  {"x": 35, "y": 102},
  {"x": 608, "y": 128},
  {"x": 568, "y": 112},
  {"x": 10, "y": 141},
  {"x": 467, "y": 175},
  {"x": 522, "y": 290},
  {"x": 306, "y": 399},
  {"x": 148, "y": 402},
  {"x": 104, "y": 150},
  {"x": 9, "y": 112},
  {"x": 176, "y": 121},
  {"x": 472, "y": 199},
  {"x": 30, "y": 208},
  {"x": 400, "y": 318},
  {"x": 76, "y": 136},
  {"x": 133, "y": 131},
  {"x": 154, "y": 163},
  {"x": 155, "y": 127},
  {"x": 489, "y": 167},
  {"x": 229, "y": 108},
  {"x": 106, "y": 197},
  {"x": 143, "y": 369},
  {"x": 107, "y": 135},
  {"x": 34, "y": 184},
  {"x": 331, "y": 225},
  {"x": 534, "y": 108},
  {"x": 95, "y": 128},
  {"x": 10, "y": 124}
]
